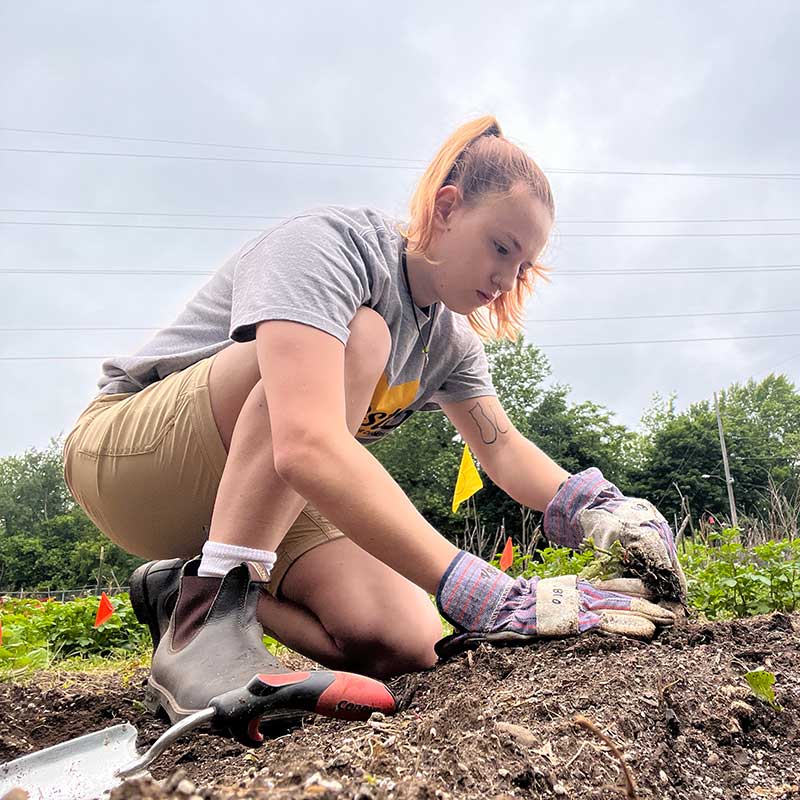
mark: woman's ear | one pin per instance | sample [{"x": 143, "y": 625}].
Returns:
[{"x": 447, "y": 201}]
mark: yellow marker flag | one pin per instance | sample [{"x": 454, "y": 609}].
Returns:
[{"x": 468, "y": 481}]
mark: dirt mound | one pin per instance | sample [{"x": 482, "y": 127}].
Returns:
[{"x": 492, "y": 724}]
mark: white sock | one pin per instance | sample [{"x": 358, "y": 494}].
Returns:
[{"x": 219, "y": 559}]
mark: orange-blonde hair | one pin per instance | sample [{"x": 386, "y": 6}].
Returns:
[{"x": 481, "y": 162}]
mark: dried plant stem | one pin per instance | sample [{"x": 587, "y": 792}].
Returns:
[{"x": 587, "y": 724}]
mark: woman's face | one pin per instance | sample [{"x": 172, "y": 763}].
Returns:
[{"x": 483, "y": 249}]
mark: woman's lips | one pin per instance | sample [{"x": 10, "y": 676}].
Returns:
[{"x": 483, "y": 297}]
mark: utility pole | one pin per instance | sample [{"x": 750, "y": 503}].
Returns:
[{"x": 728, "y": 479}]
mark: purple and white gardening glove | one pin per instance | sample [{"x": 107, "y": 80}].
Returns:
[
  {"x": 486, "y": 605},
  {"x": 588, "y": 506}
]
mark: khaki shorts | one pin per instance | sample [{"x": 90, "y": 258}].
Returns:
[{"x": 145, "y": 468}]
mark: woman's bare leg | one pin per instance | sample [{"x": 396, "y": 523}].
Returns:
[
  {"x": 253, "y": 505},
  {"x": 378, "y": 623}
]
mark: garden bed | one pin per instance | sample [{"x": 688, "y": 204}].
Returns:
[{"x": 491, "y": 724}]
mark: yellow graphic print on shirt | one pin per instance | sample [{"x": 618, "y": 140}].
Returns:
[{"x": 386, "y": 408}]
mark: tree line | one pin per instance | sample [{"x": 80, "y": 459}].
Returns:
[{"x": 673, "y": 459}]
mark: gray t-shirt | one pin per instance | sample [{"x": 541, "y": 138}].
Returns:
[{"x": 319, "y": 268}]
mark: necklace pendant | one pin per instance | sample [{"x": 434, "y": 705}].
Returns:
[{"x": 424, "y": 357}]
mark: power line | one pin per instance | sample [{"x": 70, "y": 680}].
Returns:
[
  {"x": 761, "y": 458},
  {"x": 672, "y": 221},
  {"x": 756, "y": 175},
  {"x": 660, "y": 316},
  {"x": 224, "y": 159},
  {"x": 602, "y": 271},
  {"x": 155, "y": 213},
  {"x": 126, "y": 225},
  {"x": 599, "y": 271},
  {"x": 559, "y": 344},
  {"x": 530, "y": 319},
  {"x": 791, "y": 176},
  {"x": 779, "y": 364},
  {"x": 713, "y": 235},
  {"x": 672, "y": 341},
  {"x": 213, "y": 144},
  {"x": 666, "y": 235},
  {"x": 421, "y": 162},
  {"x": 693, "y": 445},
  {"x": 76, "y": 330},
  {"x": 102, "y": 271},
  {"x": 214, "y": 215}
]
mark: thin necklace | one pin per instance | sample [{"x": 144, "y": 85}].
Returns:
[{"x": 425, "y": 343}]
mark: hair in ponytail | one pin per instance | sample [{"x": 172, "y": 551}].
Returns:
[{"x": 480, "y": 161}]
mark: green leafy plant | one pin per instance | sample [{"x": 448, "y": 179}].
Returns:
[
  {"x": 547, "y": 563},
  {"x": 725, "y": 579},
  {"x": 39, "y": 633},
  {"x": 761, "y": 683}
]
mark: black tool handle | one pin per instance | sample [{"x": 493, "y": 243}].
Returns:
[{"x": 343, "y": 695}]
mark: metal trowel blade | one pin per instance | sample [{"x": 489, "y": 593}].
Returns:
[{"x": 79, "y": 769}]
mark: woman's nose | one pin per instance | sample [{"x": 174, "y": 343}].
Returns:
[{"x": 504, "y": 281}]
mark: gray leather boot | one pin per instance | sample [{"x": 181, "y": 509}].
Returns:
[{"x": 212, "y": 644}]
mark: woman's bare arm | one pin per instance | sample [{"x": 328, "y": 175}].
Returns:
[
  {"x": 514, "y": 463},
  {"x": 302, "y": 370}
]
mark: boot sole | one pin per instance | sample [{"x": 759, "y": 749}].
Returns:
[{"x": 159, "y": 700}]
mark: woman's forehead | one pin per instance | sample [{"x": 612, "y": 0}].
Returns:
[{"x": 520, "y": 215}]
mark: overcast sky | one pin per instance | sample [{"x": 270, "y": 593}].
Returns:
[{"x": 596, "y": 87}]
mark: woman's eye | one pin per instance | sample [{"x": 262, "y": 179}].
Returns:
[{"x": 500, "y": 249}]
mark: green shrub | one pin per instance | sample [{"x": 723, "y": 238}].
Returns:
[{"x": 547, "y": 563}]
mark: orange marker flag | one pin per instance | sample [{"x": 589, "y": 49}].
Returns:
[
  {"x": 508, "y": 555},
  {"x": 104, "y": 611}
]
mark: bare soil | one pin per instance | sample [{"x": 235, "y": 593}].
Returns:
[{"x": 536, "y": 722}]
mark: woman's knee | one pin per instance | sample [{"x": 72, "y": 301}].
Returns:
[{"x": 382, "y": 642}]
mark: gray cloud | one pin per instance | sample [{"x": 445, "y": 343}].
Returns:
[{"x": 606, "y": 85}]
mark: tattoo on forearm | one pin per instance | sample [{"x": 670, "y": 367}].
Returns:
[{"x": 487, "y": 425}]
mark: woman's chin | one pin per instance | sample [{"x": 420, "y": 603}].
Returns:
[{"x": 460, "y": 308}]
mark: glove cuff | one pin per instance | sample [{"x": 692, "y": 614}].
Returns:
[
  {"x": 558, "y": 606},
  {"x": 579, "y": 491},
  {"x": 470, "y": 592}
]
